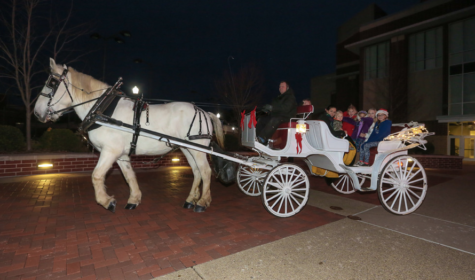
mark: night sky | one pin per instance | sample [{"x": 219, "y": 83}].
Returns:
[{"x": 186, "y": 45}]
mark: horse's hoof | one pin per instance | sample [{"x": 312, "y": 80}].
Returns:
[
  {"x": 188, "y": 205},
  {"x": 199, "y": 209},
  {"x": 112, "y": 206},
  {"x": 130, "y": 206}
]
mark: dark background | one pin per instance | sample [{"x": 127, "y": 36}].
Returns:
[{"x": 186, "y": 45}]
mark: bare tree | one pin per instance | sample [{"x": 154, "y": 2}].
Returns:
[
  {"x": 243, "y": 90},
  {"x": 25, "y": 45}
]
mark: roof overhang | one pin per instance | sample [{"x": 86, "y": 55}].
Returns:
[
  {"x": 459, "y": 118},
  {"x": 433, "y": 22}
]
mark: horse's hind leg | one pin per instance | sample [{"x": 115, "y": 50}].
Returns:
[
  {"x": 98, "y": 177},
  {"x": 205, "y": 173},
  {"x": 129, "y": 174},
  {"x": 195, "y": 190}
]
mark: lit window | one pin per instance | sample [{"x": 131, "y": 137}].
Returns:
[
  {"x": 425, "y": 50},
  {"x": 376, "y": 61}
]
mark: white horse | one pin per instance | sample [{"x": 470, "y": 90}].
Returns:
[{"x": 173, "y": 119}]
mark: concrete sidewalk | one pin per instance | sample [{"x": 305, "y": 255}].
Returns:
[{"x": 435, "y": 242}]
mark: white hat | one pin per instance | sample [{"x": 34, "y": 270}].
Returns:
[{"x": 382, "y": 111}]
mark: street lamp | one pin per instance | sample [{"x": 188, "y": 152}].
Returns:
[
  {"x": 116, "y": 38},
  {"x": 135, "y": 90}
]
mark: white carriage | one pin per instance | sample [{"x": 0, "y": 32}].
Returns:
[{"x": 399, "y": 178}]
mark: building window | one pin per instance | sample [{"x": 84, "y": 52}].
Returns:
[
  {"x": 462, "y": 67},
  {"x": 425, "y": 50},
  {"x": 376, "y": 61}
]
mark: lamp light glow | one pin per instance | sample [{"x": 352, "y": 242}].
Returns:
[
  {"x": 175, "y": 159},
  {"x": 301, "y": 127},
  {"x": 135, "y": 90},
  {"x": 218, "y": 115},
  {"x": 45, "y": 165}
]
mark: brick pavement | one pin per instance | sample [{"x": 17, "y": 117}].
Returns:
[{"x": 53, "y": 229}]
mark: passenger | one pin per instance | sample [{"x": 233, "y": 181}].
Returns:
[
  {"x": 327, "y": 117},
  {"x": 371, "y": 114},
  {"x": 382, "y": 129},
  {"x": 351, "y": 112},
  {"x": 306, "y": 102},
  {"x": 337, "y": 121},
  {"x": 362, "y": 125},
  {"x": 282, "y": 109}
]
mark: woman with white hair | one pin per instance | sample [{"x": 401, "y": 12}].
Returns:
[{"x": 382, "y": 128}]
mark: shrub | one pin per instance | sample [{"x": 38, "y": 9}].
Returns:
[
  {"x": 61, "y": 140},
  {"x": 11, "y": 139}
]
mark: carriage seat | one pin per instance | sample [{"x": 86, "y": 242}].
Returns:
[
  {"x": 373, "y": 151},
  {"x": 279, "y": 138}
]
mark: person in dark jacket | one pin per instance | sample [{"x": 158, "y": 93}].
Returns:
[
  {"x": 382, "y": 128},
  {"x": 282, "y": 108},
  {"x": 327, "y": 117}
]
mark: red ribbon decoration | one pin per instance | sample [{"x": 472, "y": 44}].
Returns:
[
  {"x": 243, "y": 114},
  {"x": 298, "y": 137},
  {"x": 253, "y": 120}
]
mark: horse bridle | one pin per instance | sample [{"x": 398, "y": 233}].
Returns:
[{"x": 53, "y": 83}]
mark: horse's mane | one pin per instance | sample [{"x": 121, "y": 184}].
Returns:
[{"x": 91, "y": 88}]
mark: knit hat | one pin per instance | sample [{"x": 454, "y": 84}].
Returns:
[
  {"x": 362, "y": 112},
  {"x": 382, "y": 111}
]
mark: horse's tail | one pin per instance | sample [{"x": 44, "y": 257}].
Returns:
[{"x": 218, "y": 129}]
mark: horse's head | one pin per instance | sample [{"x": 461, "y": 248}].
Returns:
[{"x": 55, "y": 95}]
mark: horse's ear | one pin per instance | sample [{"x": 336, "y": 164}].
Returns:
[
  {"x": 52, "y": 63},
  {"x": 64, "y": 66}
]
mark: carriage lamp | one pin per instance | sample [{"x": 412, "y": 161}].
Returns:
[
  {"x": 135, "y": 90},
  {"x": 45, "y": 165},
  {"x": 175, "y": 159},
  {"x": 218, "y": 115},
  {"x": 233, "y": 128},
  {"x": 301, "y": 127}
]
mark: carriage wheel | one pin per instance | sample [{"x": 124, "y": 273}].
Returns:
[
  {"x": 250, "y": 179},
  {"x": 345, "y": 185},
  {"x": 402, "y": 185},
  {"x": 286, "y": 190}
]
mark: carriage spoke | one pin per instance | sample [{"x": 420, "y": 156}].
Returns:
[
  {"x": 299, "y": 189},
  {"x": 247, "y": 179},
  {"x": 278, "y": 199},
  {"x": 273, "y": 191},
  {"x": 410, "y": 198},
  {"x": 389, "y": 197},
  {"x": 405, "y": 201},
  {"x": 413, "y": 193},
  {"x": 405, "y": 168},
  {"x": 416, "y": 180},
  {"x": 413, "y": 175},
  {"x": 395, "y": 199},
  {"x": 392, "y": 177},
  {"x": 294, "y": 199},
  {"x": 273, "y": 197},
  {"x": 245, "y": 185},
  {"x": 299, "y": 183},
  {"x": 386, "y": 190},
  {"x": 400, "y": 201},
  {"x": 296, "y": 178},
  {"x": 303, "y": 197},
  {"x": 399, "y": 164},
  {"x": 280, "y": 205},
  {"x": 291, "y": 203},
  {"x": 388, "y": 181},
  {"x": 414, "y": 187},
  {"x": 395, "y": 172}
]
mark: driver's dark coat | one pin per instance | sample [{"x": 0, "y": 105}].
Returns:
[{"x": 284, "y": 105}]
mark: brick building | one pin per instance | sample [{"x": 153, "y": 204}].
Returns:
[{"x": 418, "y": 63}]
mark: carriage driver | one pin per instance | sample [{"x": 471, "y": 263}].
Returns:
[{"x": 282, "y": 108}]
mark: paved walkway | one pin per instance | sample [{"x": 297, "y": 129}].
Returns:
[{"x": 51, "y": 228}]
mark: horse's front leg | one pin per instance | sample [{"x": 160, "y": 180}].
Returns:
[
  {"x": 105, "y": 162},
  {"x": 129, "y": 174}
]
